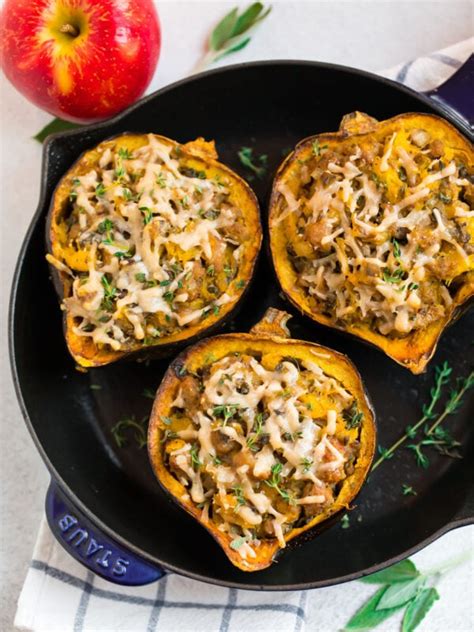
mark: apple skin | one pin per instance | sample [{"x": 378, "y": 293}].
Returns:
[{"x": 80, "y": 60}]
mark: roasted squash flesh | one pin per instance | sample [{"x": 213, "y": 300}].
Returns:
[
  {"x": 261, "y": 438},
  {"x": 151, "y": 243},
  {"x": 372, "y": 230}
]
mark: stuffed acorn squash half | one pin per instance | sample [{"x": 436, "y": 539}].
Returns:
[
  {"x": 262, "y": 439},
  {"x": 372, "y": 230},
  {"x": 151, "y": 243}
]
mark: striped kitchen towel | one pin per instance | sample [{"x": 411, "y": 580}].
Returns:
[{"x": 59, "y": 595}]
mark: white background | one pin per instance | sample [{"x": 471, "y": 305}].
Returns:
[{"x": 373, "y": 35}]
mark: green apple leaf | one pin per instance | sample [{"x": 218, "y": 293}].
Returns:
[
  {"x": 400, "y": 572},
  {"x": 369, "y": 616},
  {"x": 56, "y": 125},
  {"x": 417, "y": 608},
  {"x": 400, "y": 593}
]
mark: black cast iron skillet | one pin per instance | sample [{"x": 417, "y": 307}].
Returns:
[{"x": 104, "y": 504}]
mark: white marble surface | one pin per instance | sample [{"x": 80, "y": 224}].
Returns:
[{"x": 372, "y": 35}]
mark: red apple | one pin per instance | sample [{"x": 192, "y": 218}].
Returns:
[{"x": 81, "y": 60}]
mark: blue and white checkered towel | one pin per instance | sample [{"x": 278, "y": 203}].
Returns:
[{"x": 59, "y": 595}]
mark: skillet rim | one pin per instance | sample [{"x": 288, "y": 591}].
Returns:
[{"x": 456, "y": 522}]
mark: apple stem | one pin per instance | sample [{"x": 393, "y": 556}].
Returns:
[{"x": 69, "y": 29}]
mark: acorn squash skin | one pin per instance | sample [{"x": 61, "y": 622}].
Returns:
[
  {"x": 268, "y": 335},
  {"x": 197, "y": 154},
  {"x": 415, "y": 350}
]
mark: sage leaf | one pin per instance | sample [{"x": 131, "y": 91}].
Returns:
[
  {"x": 369, "y": 616},
  {"x": 232, "y": 33},
  {"x": 417, "y": 608},
  {"x": 242, "y": 44},
  {"x": 400, "y": 593},
  {"x": 250, "y": 17},
  {"x": 400, "y": 572},
  {"x": 223, "y": 31},
  {"x": 56, "y": 125}
]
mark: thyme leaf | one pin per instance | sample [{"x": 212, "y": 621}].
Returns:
[
  {"x": 130, "y": 427},
  {"x": 225, "y": 411},
  {"x": 256, "y": 164},
  {"x": 195, "y": 460},
  {"x": 353, "y": 417},
  {"x": 435, "y": 436},
  {"x": 275, "y": 482}
]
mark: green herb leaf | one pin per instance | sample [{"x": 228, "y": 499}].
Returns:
[
  {"x": 352, "y": 417},
  {"x": 235, "y": 49},
  {"x": 138, "y": 429},
  {"x": 400, "y": 593},
  {"x": 223, "y": 31},
  {"x": 195, "y": 460},
  {"x": 401, "y": 572},
  {"x": 239, "y": 495},
  {"x": 421, "y": 459},
  {"x": 100, "y": 190},
  {"x": 149, "y": 393},
  {"x": 392, "y": 277},
  {"x": 227, "y": 411},
  {"x": 407, "y": 490},
  {"x": 161, "y": 181},
  {"x": 369, "y": 616},
  {"x": 275, "y": 482},
  {"x": 147, "y": 214},
  {"x": 396, "y": 249},
  {"x": 232, "y": 33},
  {"x": 306, "y": 464},
  {"x": 345, "y": 522},
  {"x": 124, "y": 153},
  {"x": 418, "y": 608},
  {"x": 248, "y": 18},
  {"x": 53, "y": 127},
  {"x": 257, "y": 165},
  {"x": 436, "y": 437}
]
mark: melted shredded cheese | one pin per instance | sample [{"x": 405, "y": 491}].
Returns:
[
  {"x": 152, "y": 246},
  {"x": 378, "y": 239},
  {"x": 257, "y": 455}
]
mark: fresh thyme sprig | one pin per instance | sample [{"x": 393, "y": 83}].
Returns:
[
  {"x": 239, "y": 495},
  {"x": 455, "y": 400},
  {"x": 353, "y": 417},
  {"x": 443, "y": 442},
  {"x": 257, "y": 429},
  {"x": 195, "y": 460},
  {"x": 225, "y": 411},
  {"x": 138, "y": 428},
  {"x": 275, "y": 482},
  {"x": 437, "y": 437},
  {"x": 232, "y": 33}
]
